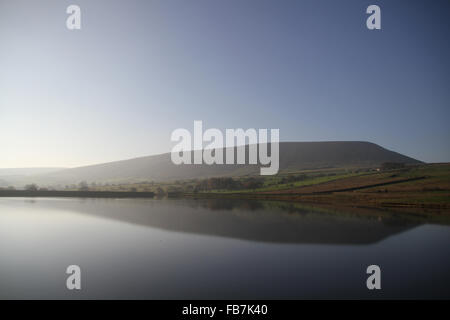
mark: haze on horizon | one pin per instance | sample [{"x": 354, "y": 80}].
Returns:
[{"x": 140, "y": 69}]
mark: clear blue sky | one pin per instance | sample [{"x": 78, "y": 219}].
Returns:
[{"x": 140, "y": 69}]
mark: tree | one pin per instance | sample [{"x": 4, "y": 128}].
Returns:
[
  {"x": 160, "y": 191},
  {"x": 253, "y": 183},
  {"x": 31, "y": 187},
  {"x": 392, "y": 165},
  {"x": 83, "y": 186}
]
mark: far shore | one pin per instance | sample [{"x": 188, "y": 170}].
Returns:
[
  {"x": 350, "y": 200},
  {"x": 342, "y": 200},
  {"x": 423, "y": 189},
  {"x": 75, "y": 194}
]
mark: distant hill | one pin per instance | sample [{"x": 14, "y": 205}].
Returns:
[
  {"x": 26, "y": 171},
  {"x": 19, "y": 176},
  {"x": 293, "y": 156}
]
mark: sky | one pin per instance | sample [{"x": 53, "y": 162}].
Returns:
[{"x": 138, "y": 70}]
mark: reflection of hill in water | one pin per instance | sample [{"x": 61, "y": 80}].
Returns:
[{"x": 247, "y": 220}]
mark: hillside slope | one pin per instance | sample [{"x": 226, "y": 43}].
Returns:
[{"x": 293, "y": 156}]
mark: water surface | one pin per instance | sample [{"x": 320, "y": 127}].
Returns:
[{"x": 214, "y": 249}]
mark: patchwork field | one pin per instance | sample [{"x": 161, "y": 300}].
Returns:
[{"x": 424, "y": 188}]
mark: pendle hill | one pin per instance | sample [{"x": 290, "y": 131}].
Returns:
[{"x": 293, "y": 156}]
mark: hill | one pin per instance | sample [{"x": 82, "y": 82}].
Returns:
[
  {"x": 19, "y": 176},
  {"x": 26, "y": 171},
  {"x": 293, "y": 156}
]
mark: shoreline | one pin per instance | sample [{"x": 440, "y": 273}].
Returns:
[
  {"x": 75, "y": 194},
  {"x": 340, "y": 199},
  {"x": 330, "y": 199}
]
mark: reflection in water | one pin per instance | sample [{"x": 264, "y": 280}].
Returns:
[
  {"x": 244, "y": 219},
  {"x": 215, "y": 249}
]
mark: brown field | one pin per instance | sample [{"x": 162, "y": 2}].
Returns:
[{"x": 422, "y": 189}]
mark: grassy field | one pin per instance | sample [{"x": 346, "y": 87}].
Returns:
[
  {"x": 424, "y": 188},
  {"x": 272, "y": 185}
]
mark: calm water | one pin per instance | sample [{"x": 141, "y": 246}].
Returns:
[{"x": 189, "y": 249}]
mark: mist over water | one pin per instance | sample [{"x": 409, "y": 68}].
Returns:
[{"x": 213, "y": 249}]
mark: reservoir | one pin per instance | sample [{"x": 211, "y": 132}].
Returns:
[{"x": 216, "y": 249}]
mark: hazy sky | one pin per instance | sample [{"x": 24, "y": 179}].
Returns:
[{"x": 140, "y": 69}]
